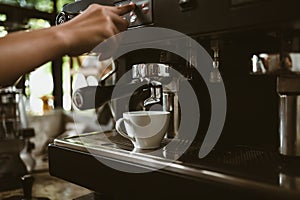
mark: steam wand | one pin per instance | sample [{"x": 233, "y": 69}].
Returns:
[{"x": 215, "y": 76}]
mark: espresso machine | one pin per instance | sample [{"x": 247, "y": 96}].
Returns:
[
  {"x": 219, "y": 68},
  {"x": 15, "y": 149}
]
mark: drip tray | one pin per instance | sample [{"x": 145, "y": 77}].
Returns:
[
  {"x": 111, "y": 144},
  {"x": 241, "y": 161},
  {"x": 241, "y": 167},
  {"x": 110, "y": 139},
  {"x": 237, "y": 161}
]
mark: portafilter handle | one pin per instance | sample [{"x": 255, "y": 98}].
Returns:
[{"x": 95, "y": 96}]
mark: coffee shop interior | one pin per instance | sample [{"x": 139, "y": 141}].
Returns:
[{"x": 198, "y": 99}]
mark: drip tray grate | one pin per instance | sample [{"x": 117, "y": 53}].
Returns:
[{"x": 239, "y": 160}]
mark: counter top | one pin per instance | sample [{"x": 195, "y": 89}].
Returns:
[{"x": 48, "y": 186}]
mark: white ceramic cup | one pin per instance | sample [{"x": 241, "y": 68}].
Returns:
[{"x": 146, "y": 129}]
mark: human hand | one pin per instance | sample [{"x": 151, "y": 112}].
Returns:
[{"x": 92, "y": 26}]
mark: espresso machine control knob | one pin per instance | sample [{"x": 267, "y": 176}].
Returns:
[
  {"x": 186, "y": 4},
  {"x": 133, "y": 18},
  {"x": 64, "y": 17},
  {"x": 60, "y": 18}
]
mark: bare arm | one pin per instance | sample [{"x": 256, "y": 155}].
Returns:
[{"x": 21, "y": 52}]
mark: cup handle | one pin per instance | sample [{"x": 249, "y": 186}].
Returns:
[{"x": 121, "y": 132}]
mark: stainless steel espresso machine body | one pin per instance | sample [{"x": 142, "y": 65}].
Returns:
[
  {"x": 285, "y": 67},
  {"x": 15, "y": 147},
  {"x": 248, "y": 160}
]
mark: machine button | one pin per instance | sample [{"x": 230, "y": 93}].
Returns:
[
  {"x": 145, "y": 5},
  {"x": 186, "y": 5},
  {"x": 145, "y": 10},
  {"x": 133, "y": 18}
]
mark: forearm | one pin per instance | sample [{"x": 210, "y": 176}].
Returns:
[{"x": 22, "y": 52}]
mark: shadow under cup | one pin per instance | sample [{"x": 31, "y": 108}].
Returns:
[{"x": 146, "y": 129}]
